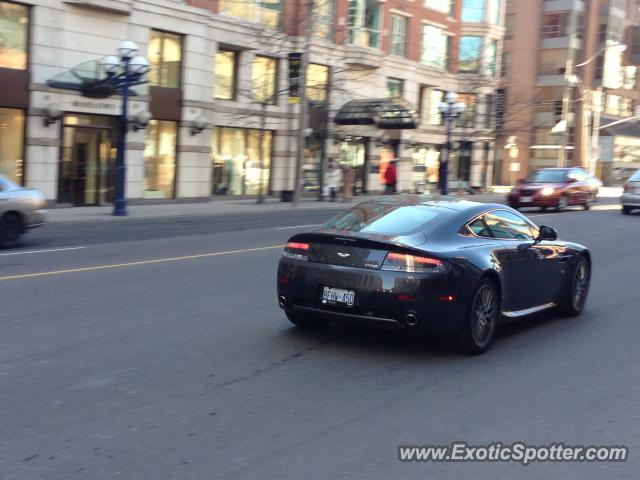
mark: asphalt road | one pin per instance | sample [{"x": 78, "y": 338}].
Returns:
[{"x": 157, "y": 351}]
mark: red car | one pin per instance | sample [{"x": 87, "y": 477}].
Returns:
[{"x": 556, "y": 188}]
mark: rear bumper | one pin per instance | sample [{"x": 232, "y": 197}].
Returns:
[{"x": 383, "y": 298}]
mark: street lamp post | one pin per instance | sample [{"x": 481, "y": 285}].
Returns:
[
  {"x": 123, "y": 72},
  {"x": 450, "y": 110}
]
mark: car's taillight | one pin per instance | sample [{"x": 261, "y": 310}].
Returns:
[
  {"x": 296, "y": 250},
  {"x": 402, "y": 262},
  {"x": 627, "y": 187}
]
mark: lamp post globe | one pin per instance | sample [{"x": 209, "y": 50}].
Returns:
[{"x": 127, "y": 50}]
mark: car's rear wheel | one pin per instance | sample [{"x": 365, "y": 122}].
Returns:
[
  {"x": 588, "y": 202},
  {"x": 10, "y": 229},
  {"x": 303, "y": 321},
  {"x": 482, "y": 319},
  {"x": 626, "y": 210},
  {"x": 576, "y": 292}
]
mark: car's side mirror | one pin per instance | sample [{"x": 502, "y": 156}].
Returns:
[{"x": 547, "y": 233}]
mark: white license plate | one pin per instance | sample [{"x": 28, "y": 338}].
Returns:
[
  {"x": 338, "y": 295},
  {"x": 526, "y": 199}
]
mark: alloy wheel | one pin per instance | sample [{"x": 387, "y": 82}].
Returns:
[
  {"x": 580, "y": 284},
  {"x": 485, "y": 309}
]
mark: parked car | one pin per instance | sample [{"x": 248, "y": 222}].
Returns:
[
  {"x": 556, "y": 188},
  {"x": 20, "y": 209},
  {"x": 452, "y": 268},
  {"x": 630, "y": 199}
]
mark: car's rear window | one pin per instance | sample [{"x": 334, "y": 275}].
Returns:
[
  {"x": 635, "y": 177},
  {"x": 385, "y": 218},
  {"x": 547, "y": 176}
]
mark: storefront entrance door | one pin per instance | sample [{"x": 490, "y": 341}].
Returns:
[{"x": 86, "y": 167}]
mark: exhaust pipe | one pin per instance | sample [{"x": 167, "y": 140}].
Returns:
[
  {"x": 411, "y": 320},
  {"x": 282, "y": 301}
]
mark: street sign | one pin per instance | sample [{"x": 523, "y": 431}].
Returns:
[{"x": 295, "y": 67}]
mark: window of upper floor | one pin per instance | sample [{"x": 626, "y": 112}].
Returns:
[
  {"x": 165, "y": 59},
  {"x": 264, "y": 12},
  {"x": 363, "y": 23},
  {"x": 14, "y": 35}
]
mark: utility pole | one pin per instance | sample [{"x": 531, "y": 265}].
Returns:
[{"x": 302, "y": 123}]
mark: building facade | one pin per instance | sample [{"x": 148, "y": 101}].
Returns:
[
  {"x": 221, "y": 120},
  {"x": 566, "y": 76}
]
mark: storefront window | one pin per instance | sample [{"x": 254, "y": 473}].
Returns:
[
  {"x": 12, "y": 144},
  {"x": 225, "y": 75},
  {"x": 238, "y": 167},
  {"x": 160, "y": 159},
  {"x": 470, "y": 54},
  {"x": 426, "y": 164},
  {"x": 317, "y": 82},
  {"x": 165, "y": 57},
  {"x": 265, "y": 12},
  {"x": 353, "y": 153},
  {"x": 14, "y": 27},
  {"x": 264, "y": 79}
]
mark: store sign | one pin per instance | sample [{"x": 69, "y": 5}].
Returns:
[
  {"x": 94, "y": 105},
  {"x": 295, "y": 70}
]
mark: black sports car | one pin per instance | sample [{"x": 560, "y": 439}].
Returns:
[{"x": 450, "y": 267}]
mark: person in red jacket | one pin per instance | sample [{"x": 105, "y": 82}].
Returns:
[{"x": 390, "y": 178}]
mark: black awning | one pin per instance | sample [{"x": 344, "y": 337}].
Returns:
[
  {"x": 385, "y": 113},
  {"x": 89, "y": 78},
  {"x": 630, "y": 128}
]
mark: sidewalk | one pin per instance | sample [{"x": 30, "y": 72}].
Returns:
[{"x": 214, "y": 207}]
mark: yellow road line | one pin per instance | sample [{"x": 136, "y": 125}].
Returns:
[{"x": 132, "y": 264}]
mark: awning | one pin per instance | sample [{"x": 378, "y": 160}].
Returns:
[
  {"x": 625, "y": 129},
  {"x": 385, "y": 113},
  {"x": 89, "y": 78}
]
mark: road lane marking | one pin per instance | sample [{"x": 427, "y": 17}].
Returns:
[
  {"x": 41, "y": 251},
  {"x": 299, "y": 226},
  {"x": 133, "y": 264}
]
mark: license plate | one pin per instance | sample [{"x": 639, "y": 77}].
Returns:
[
  {"x": 338, "y": 295},
  {"x": 526, "y": 199}
]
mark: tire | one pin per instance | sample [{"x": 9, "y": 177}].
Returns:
[
  {"x": 575, "y": 295},
  {"x": 588, "y": 203},
  {"x": 595, "y": 196},
  {"x": 626, "y": 210},
  {"x": 11, "y": 228},
  {"x": 563, "y": 203},
  {"x": 481, "y": 319},
  {"x": 303, "y": 321}
]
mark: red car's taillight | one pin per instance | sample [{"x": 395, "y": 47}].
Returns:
[
  {"x": 296, "y": 250},
  {"x": 402, "y": 262}
]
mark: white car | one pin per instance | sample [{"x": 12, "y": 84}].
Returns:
[
  {"x": 630, "y": 199},
  {"x": 20, "y": 209}
]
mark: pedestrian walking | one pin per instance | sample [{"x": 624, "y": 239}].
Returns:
[
  {"x": 333, "y": 181},
  {"x": 390, "y": 178}
]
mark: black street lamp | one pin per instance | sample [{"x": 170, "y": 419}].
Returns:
[
  {"x": 450, "y": 110},
  {"x": 123, "y": 72}
]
